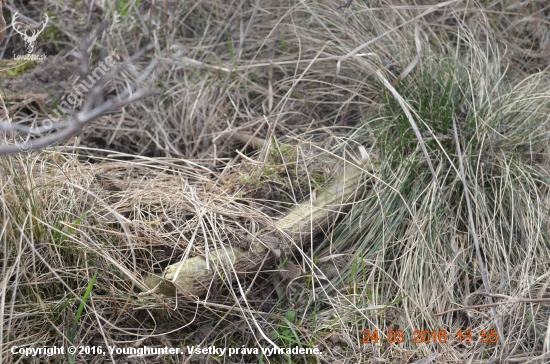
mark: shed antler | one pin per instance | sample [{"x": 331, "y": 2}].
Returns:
[{"x": 30, "y": 41}]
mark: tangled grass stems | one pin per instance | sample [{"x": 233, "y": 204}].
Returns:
[
  {"x": 414, "y": 245},
  {"x": 141, "y": 182}
]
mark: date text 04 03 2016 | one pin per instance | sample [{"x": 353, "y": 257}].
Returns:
[{"x": 426, "y": 336}]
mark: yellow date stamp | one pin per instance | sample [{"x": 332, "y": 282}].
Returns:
[{"x": 430, "y": 336}]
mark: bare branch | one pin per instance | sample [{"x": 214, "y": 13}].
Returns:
[
  {"x": 94, "y": 106},
  {"x": 41, "y": 142}
]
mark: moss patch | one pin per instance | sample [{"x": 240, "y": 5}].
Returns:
[{"x": 12, "y": 68}]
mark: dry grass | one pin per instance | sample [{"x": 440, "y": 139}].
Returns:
[{"x": 160, "y": 181}]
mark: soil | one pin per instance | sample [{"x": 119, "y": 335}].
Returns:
[{"x": 51, "y": 79}]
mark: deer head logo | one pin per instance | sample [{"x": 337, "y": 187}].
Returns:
[{"x": 30, "y": 40}]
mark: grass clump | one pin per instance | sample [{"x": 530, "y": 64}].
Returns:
[{"x": 411, "y": 238}]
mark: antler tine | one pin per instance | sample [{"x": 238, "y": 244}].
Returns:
[
  {"x": 45, "y": 23},
  {"x": 13, "y": 23}
]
